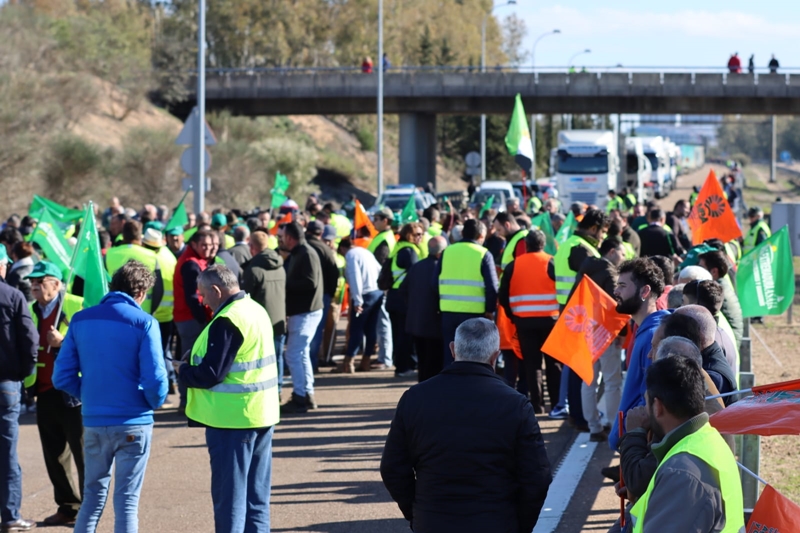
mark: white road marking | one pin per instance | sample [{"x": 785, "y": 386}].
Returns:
[{"x": 568, "y": 475}]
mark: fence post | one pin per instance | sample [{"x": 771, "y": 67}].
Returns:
[{"x": 750, "y": 454}]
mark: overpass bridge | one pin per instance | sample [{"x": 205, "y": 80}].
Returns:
[{"x": 418, "y": 94}]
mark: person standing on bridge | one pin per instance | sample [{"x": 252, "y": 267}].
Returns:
[
  {"x": 233, "y": 392},
  {"x": 735, "y": 64},
  {"x": 118, "y": 394},
  {"x": 366, "y": 65},
  {"x": 773, "y": 65},
  {"x": 464, "y": 452}
]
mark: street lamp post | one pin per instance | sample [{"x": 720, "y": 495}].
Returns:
[
  {"x": 380, "y": 97},
  {"x": 533, "y": 115},
  {"x": 571, "y": 59},
  {"x": 483, "y": 69},
  {"x": 199, "y": 192}
]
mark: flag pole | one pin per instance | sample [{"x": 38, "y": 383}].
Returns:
[
  {"x": 748, "y": 471},
  {"x": 726, "y": 394}
]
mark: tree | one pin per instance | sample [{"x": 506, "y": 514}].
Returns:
[
  {"x": 445, "y": 55},
  {"x": 425, "y": 54},
  {"x": 514, "y": 32}
]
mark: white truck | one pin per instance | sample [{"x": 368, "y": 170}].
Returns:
[
  {"x": 655, "y": 149},
  {"x": 638, "y": 172},
  {"x": 674, "y": 152},
  {"x": 586, "y": 167}
]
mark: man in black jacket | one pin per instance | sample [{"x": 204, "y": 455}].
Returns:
[
  {"x": 265, "y": 282},
  {"x": 19, "y": 342},
  {"x": 304, "y": 287},
  {"x": 464, "y": 453},
  {"x": 656, "y": 240},
  {"x": 330, "y": 281}
]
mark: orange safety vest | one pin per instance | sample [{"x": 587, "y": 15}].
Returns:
[{"x": 533, "y": 293}]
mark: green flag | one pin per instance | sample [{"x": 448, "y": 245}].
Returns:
[
  {"x": 88, "y": 260},
  {"x": 566, "y": 229},
  {"x": 486, "y": 206},
  {"x": 51, "y": 240},
  {"x": 59, "y": 212},
  {"x": 409, "y": 213},
  {"x": 179, "y": 218},
  {"x": 542, "y": 221},
  {"x": 279, "y": 190},
  {"x": 765, "y": 277},
  {"x": 518, "y": 138}
]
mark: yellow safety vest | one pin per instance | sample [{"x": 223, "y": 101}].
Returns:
[
  {"x": 534, "y": 205},
  {"x": 435, "y": 229},
  {"x": 508, "y": 251},
  {"x": 693, "y": 198},
  {"x": 565, "y": 276},
  {"x": 616, "y": 203},
  {"x": 167, "y": 262},
  {"x": 230, "y": 242},
  {"x": 399, "y": 274},
  {"x": 630, "y": 251},
  {"x": 72, "y": 304},
  {"x": 384, "y": 236},
  {"x": 342, "y": 225},
  {"x": 707, "y": 445},
  {"x": 423, "y": 245},
  {"x": 461, "y": 285},
  {"x": 117, "y": 256},
  {"x": 752, "y": 235},
  {"x": 247, "y": 397}
]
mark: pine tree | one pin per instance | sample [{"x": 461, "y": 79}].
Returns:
[{"x": 425, "y": 53}]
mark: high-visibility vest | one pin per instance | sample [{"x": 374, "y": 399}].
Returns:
[
  {"x": 565, "y": 276},
  {"x": 532, "y": 293},
  {"x": 752, "y": 235},
  {"x": 167, "y": 262},
  {"x": 707, "y": 445},
  {"x": 72, "y": 304},
  {"x": 616, "y": 203},
  {"x": 342, "y": 225},
  {"x": 230, "y": 242},
  {"x": 534, "y": 205},
  {"x": 630, "y": 251},
  {"x": 423, "y": 245},
  {"x": 461, "y": 285},
  {"x": 508, "y": 251},
  {"x": 631, "y": 200},
  {"x": 435, "y": 229},
  {"x": 399, "y": 274},
  {"x": 117, "y": 256},
  {"x": 734, "y": 250},
  {"x": 384, "y": 236},
  {"x": 666, "y": 227},
  {"x": 247, "y": 397},
  {"x": 693, "y": 198}
]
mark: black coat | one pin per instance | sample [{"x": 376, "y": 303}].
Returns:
[
  {"x": 656, "y": 241},
  {"x": 422, "y": 304},
  {"x": 19, "y": 338},
  {"x": 327, "y": 262},
  {"x": 464, "y": 454},
  {"x": 303, "y": 281},
  {"x": 265, "y": 281}
]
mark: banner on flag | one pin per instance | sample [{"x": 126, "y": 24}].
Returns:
[
  {"x": 542, "y": 221},
  {"x": 712, "y": 216},
  {"x": 765, "y": 277},
  {"x": 49, "y": 237},
  {"x": 774, "y": 513},
  {"x": 59, "y": 212},
  {"x": 88, "y": 261},
  {"x": 518, "y": 138},
  {"x": 409, "y": 213},
  {"x": 772, "y": 410},
  {"x": 585, "y": 329}
]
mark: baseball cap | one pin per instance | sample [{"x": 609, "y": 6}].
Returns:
[
  {"x": 45, "y": 268},
  {"x": 153, "y": 224},
  {"x": 329, "y": 233},
  {"x": 3, "y": 254},
  {"x": 384, "y": 212},
  {"x": 315, "y": 227},
  {"x": 153, "y": 237},
  {"x": 693, "y": 257},
  {"x": 219, "y": 220},
  {"x": 177, "y": 230}
]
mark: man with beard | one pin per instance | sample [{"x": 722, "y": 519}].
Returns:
[
  {"x": 696, "y": 486},
  {"x": 639, "y": 285}
]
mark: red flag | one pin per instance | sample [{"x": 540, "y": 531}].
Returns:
[
  {"x": 712, "y": 216},
  {"x": 283, "y": 220},
  {"x": 772, "y": 410},
  {"x": 774, "y": 513},
  {"x": 585, "y": 329}
]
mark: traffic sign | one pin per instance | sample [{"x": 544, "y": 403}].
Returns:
[
  {"x": 473, "y": 159},
  {"x": 473, "y": 171},
  {"x": 189, "y": 160},
  {"x": 186, "y": 184},
  {"x": 188, "y": 134}
]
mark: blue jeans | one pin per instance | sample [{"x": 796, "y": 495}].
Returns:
[
  {"x": 316, "y": 343},
  {"x": 280, "y": 342},
  {"x": 127, "y": 449},
  {"x": 385, "y": 345},
  {"x": 300, "y": 330},
  {"x": 241, "y": 471},
  {"x": 10, "y": 472}
]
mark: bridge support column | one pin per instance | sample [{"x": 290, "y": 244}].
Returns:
[{"x": 417, "y": 149}]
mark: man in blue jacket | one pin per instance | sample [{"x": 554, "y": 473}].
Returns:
[
  {"x": 639, "y": 286},
  {"x": 112, "y": 360}
]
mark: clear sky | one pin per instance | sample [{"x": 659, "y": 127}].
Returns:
[{"x": 698, "y": 33}]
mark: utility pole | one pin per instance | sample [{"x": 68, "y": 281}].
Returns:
[
  {"x": 199, "y": 193},
  {"x": 773, "y": 151},
  {"x": 380, "y": 96}
]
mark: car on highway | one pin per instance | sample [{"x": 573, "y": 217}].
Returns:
[
  {"x": 458, "y": 199},
  {"x": 479, "y": 198},
  {"x": 395, "y": 197},
  {"x": 547, "y": 188}
]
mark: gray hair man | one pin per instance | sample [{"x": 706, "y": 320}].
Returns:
[
  {"x": 241, "y": 249},
  {"x": 233, "y": 380},
  {"x": 443, "y": 425},
  {"x": 679, "y": 346}
]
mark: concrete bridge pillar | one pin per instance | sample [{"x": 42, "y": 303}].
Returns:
[{"x": 418, "y": 148}]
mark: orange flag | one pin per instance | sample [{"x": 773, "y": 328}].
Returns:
[
  {"x": 774, "y": 512},
  {"x": 362, "y": 221},
  {"x": 712, "y": 216},
  {"x": 586, "y": 327},
  {"x": 773, "y": 409},
  {"x": 283, "y": 220}
]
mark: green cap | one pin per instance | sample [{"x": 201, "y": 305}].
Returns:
[
  {"x": 693, "y": 257},
  {"x": 3, "y": 254},
  {"x": 43, "y": 269},
  {"x": 177, "y": 230},
  {"x": 153, "y": 224},
  {"x": 218, "y": 221}
]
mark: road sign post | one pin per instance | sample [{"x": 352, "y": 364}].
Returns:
[{"x": 191, "y": 159}]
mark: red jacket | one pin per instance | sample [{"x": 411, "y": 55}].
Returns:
[{"x": 188, "y": 306}]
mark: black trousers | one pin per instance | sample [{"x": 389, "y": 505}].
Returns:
[
  {"x": 402, "y": 344},
  {"x": 429, "y": 357},
  {"x": 531, "y": 341},
  {"x": 61, "y": 434}
]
